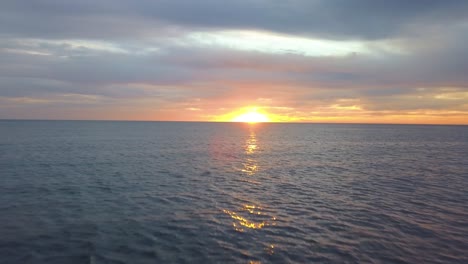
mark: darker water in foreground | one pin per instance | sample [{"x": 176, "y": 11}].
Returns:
[{"x": 156, "y": 192}]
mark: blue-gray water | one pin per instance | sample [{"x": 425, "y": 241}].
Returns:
[{"x": 156, "y": 192}]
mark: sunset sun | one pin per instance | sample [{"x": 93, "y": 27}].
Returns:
[{"x": 251, "y": 117}]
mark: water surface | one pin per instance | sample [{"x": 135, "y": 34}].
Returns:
[{"x": 162, "y": 192}]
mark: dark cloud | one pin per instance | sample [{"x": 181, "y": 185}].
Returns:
[{"x": 363, "y": 19}]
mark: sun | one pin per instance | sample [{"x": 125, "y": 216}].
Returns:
[{"x": 251, "y": 117}]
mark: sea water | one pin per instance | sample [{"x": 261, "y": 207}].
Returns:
[{"x": 175, "y": 192}]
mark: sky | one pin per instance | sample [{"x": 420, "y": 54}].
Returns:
[{"x": 345, "y": 61}]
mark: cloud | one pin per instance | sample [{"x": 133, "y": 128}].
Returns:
[
  {"x": 157, "y": 59},
  {"x": 341, "y": 19}
]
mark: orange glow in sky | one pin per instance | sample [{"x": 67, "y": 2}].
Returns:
[{"x": 251, "y": 117}]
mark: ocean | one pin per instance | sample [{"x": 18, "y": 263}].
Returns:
[{"x": 181, "y": 192}]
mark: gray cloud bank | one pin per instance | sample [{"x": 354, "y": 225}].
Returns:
[{"x": 368, "y": 19}]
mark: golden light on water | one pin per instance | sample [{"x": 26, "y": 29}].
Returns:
[
  {"x": 251, "y": 209},
  {"x": 251, "y": 145},
  {"x": 270, "y": 249},
  {"x": 242, "y": 222},
  {"x": 250, "y": 167},
  {"x": 250, "y": 164},
  {"x": 250, "y": 218}
]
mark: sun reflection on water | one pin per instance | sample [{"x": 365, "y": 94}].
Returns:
[
  {"x": 250, "y": 167},
  {"x": 242, "y": 222},
  {"x": 270, "y": 249},
  {"x": 251, "y": 146},
  {"x": 250, "y": 217},
  {"x": 251, "y": 143}
]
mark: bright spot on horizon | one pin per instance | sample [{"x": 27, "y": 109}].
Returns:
[{"x": 252, "y": 116}]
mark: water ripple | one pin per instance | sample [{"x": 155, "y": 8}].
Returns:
[{"x": 118, "y": 192}]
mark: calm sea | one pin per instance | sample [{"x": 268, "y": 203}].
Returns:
[{"x": 162, "y": 192}]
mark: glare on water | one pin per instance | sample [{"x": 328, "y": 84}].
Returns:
[{"x": 251, "y": 216}]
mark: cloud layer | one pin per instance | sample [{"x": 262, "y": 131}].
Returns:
[{"x": 333, "y": 61}]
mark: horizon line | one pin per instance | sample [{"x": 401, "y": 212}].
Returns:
[{"x": 233, "y": 122}]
